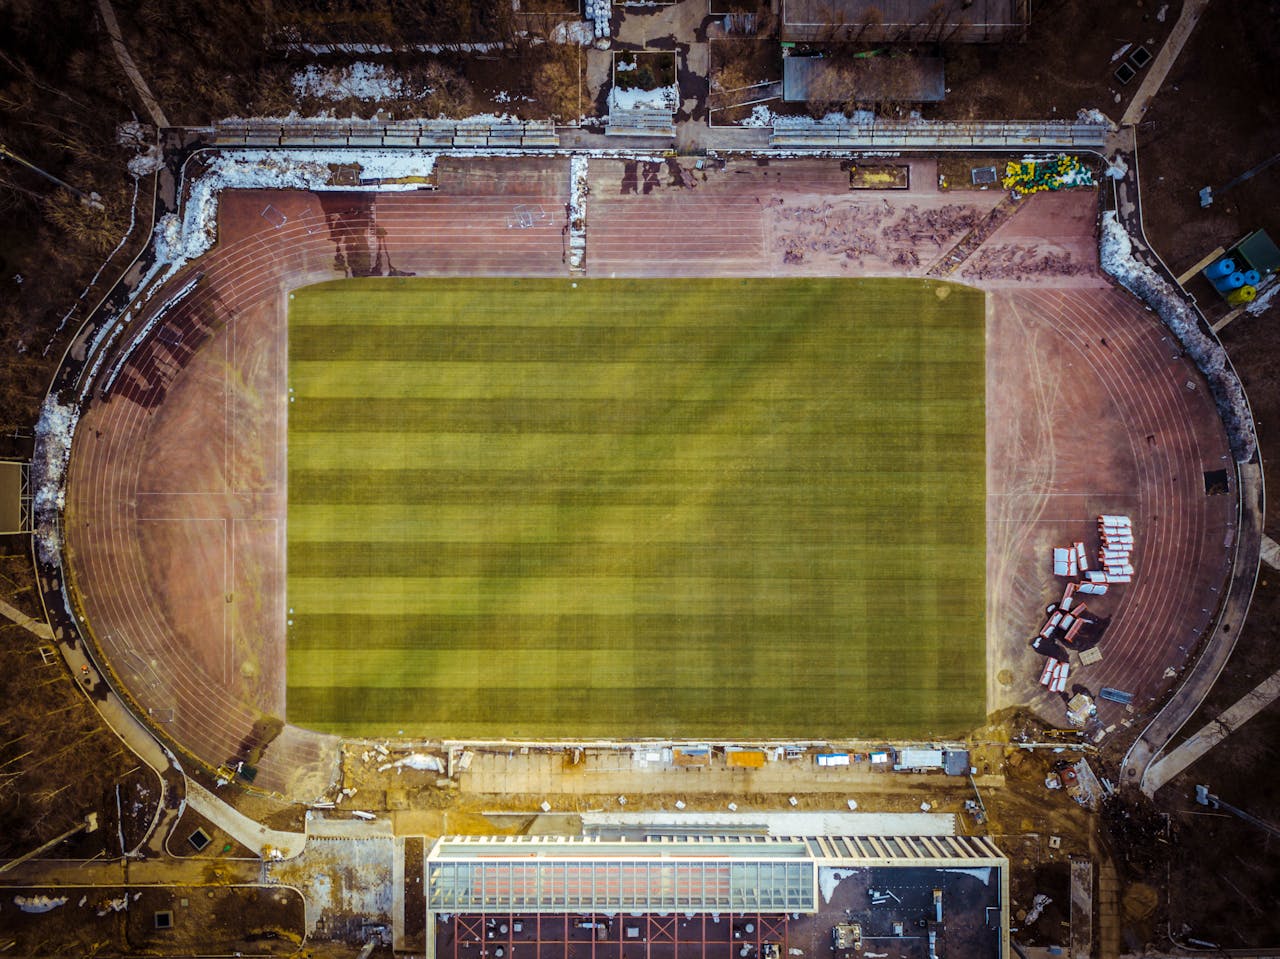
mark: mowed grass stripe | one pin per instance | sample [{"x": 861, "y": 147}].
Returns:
[
  {"x": 411, "y": 633},
  {"x": 937, "y": 446},
  {"x": 809, "y": 416},
  {"x": 532, "y": 667},
  {"x": 737, "y": 342},
  {"x": 556, "y": 303},
  {"x": 815, "y": 560},
  {"x": 717, "y": 711},
  {"x": 882, "y": 592},
  {"x": 951, "y": 378},
  {"x": 761, "y": 488},
  {"x": 669, "y": 489},
  {"x": 835, "y": 527}
]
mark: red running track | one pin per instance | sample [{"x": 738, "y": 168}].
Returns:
[{"x": 176, "y": 499}]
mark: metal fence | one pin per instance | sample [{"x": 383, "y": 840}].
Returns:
[
  {"x": 641, "y": 123},
  {"x": 922, "y": 135},
  {"x": 384, "y": 133}
]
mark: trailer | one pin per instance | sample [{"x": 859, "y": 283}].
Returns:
[
  {"x": 1115, "y": 695},
  {"x": 832, "y": 759}
]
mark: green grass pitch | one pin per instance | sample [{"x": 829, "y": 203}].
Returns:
[{"x": 636, "y": 508}]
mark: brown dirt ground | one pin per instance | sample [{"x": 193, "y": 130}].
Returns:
[
  {"x": 1209, "y": 123},
  {"x": 1064, "y": 65},
  {"x": 1212, "y": 98},
  {"x": 219, "y": 920}
]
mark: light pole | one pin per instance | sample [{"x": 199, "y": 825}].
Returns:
[{"x": 91, "y": 200}]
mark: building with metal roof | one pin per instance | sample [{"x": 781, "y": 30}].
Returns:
[
  {"x": 551, "y": 879},
  {"x": 904, "y": 21},
  {"x": 868, "y": 81}
]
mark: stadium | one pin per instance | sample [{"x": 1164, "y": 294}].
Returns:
[{"x": 471, "y": 491}]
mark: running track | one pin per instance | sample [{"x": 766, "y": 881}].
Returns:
[{"x": 176, "y": 506}]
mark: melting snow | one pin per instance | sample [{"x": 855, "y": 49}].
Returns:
[
  {"x": 1116, "y": 254},
  {"x": 663, "y": 98},
  {"x": 829, "y": 879},
  {"x": 178, "y": 241},
  {"x": 983, "y": 875},
  {"x": 38, "y": 903},
  {"x": 54, "y": 430},
  {"x": 363, "y": 81}
]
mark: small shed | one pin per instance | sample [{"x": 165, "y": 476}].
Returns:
[
  {"x": 1259, "y": 251},
  {"x": 920, "y": 759},
  {"x": 744, "y": 758},
  {"x": 869, "y": 80},
  {"x": 957, "y": 762}
]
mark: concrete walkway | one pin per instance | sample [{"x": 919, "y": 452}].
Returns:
[
  {"x": 128, "y": 66},
  {"x": 1227, "y": 722},
  {"x": 134, "y": 734},
  {"x": 248, "y": 832},
  {"x": 34, "y": 626},
  {"x": 1271, "y": 552},
  {"x": 1204, "y": 673},
  {"x": 1160, "y": 66}
]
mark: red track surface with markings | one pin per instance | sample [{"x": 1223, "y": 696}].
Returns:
[{"x": 176, "y": 504}]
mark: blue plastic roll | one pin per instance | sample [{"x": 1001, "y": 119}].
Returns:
[
  {"x": 1224, "y": 267},
  {"x": 1228, "y": 283},
  {"x": 1252, "y": 277}
]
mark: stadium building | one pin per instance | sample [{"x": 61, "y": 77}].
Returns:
[{"x": 716, "y": 896}]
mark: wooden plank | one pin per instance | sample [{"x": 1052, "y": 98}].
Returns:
[{"x": 1200, "y": 266}]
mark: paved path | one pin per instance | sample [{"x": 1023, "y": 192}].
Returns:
[
  {"x": 1159, "y": 69},
  {"x": 133, "y": 733},
  {"x": 1252, "y": 508},
  {"x": 35, "y": 627},
  {"x": 1204, "y": 673},
  {"x": 132, "y": 872},
  {"x": 246, "y": 831},
  {"x": 1271, "y": 552},
  {"x": 128, "y": 66},
  {"x": 1214, "y": 732}
]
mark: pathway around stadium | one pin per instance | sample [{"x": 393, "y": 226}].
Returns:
[{"x": 1164, "y": 60}]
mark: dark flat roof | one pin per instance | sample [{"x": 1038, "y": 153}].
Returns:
[
  {"x": 902, "y": 20},
  {"x": 871, "y": 80}
]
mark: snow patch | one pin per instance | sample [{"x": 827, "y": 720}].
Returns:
[
  {"x": 114, "y": 905},
  {"x": 144, "y": 164},
  {"x": 829, "y": 879},
  {"x": 1117, "y": 169},
  {"x": 579, "y": 31},
  {"x": 38, "y": 903},
  {"x": 663, "y": 98},
  {"x": 178, "y": 241},
  {"x": 359, "y": 80},
  {"x": 131, "y": 133},
  {"x": 1115, "y": 251},
  {"x": 983, "y": 875},
  {"x": 578, "y": 190},
  {"x": 54, "y": 431},
  {"x": 860, "y": 118},
  {"x": 1263, "y": 302},
  {"x": 419, "y": 761},
  {"x": 761, "y": 116}
]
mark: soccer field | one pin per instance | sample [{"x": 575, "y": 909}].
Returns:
[{"x": 636, "y": 508}]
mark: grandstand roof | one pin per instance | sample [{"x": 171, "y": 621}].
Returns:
[
  {"x": 532, "y": 874},
  {"x": 693, "y": 874}
]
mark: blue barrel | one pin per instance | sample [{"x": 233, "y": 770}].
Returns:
[
  {"x": 1224, "y": 267},
  {"x": 1252, "y": 277},
  {"x": 1228, "y": 283}
]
